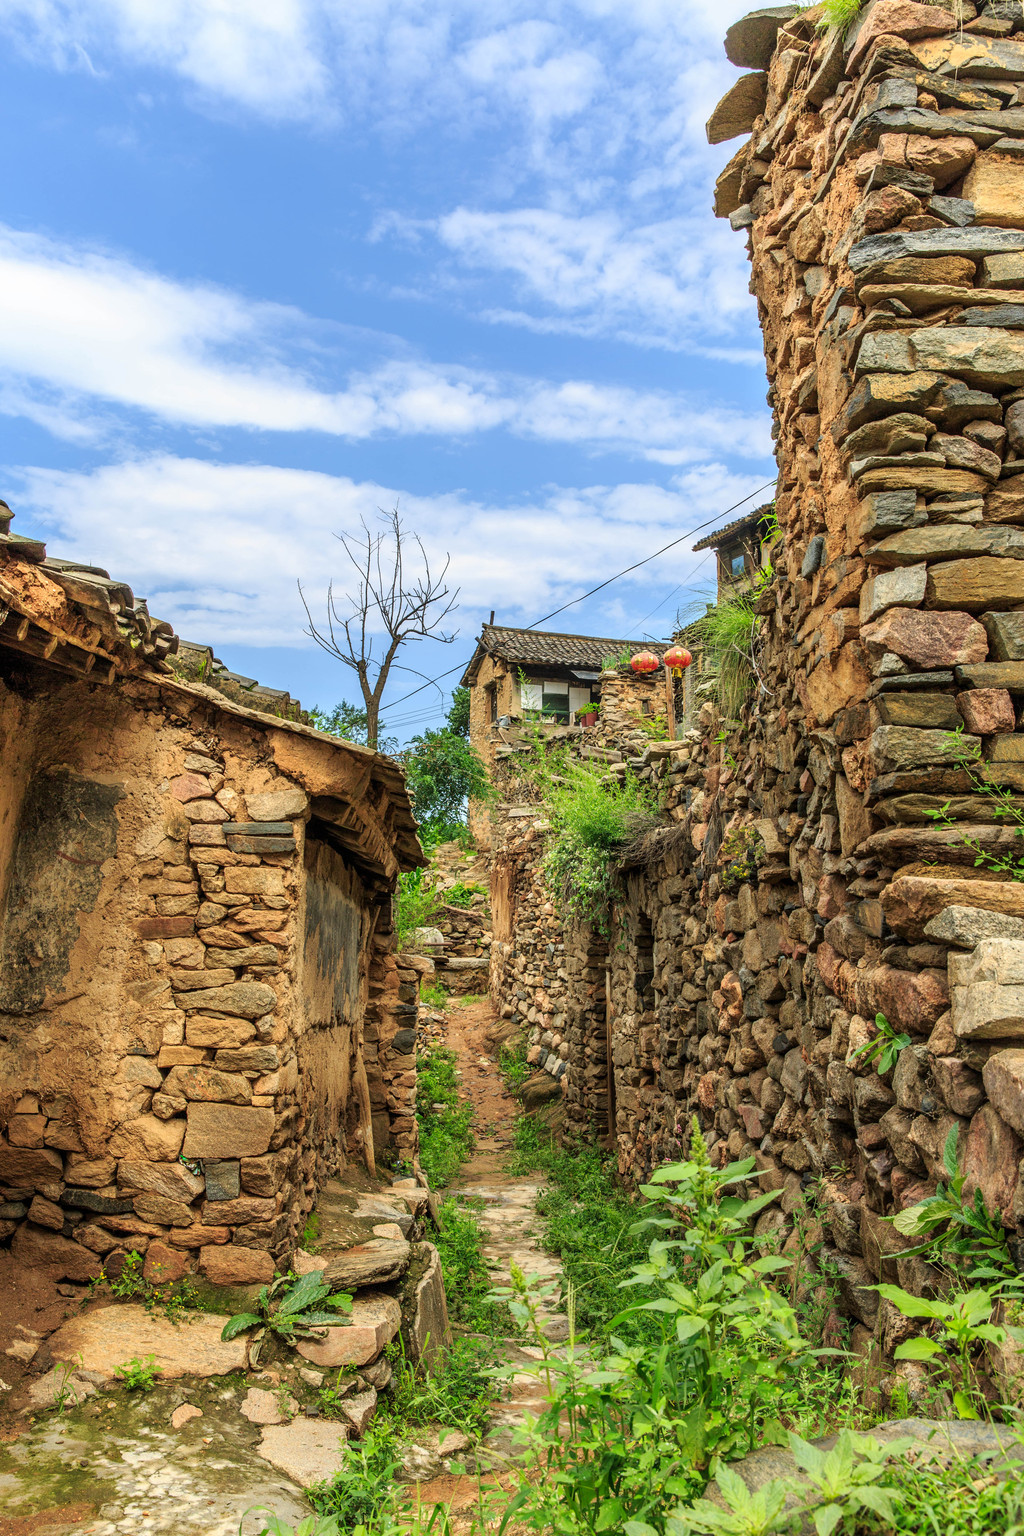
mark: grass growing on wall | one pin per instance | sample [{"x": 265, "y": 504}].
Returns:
[
  {"x": 839, "y": 13},
  {"x": 727, "y": 634},
  {"x": 594, "y": 816}
]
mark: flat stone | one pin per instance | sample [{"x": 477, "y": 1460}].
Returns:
[
  {"x": 738, "y": 109},
  {"x": 102, "y": 1340},
  {"x": 975, "y": 584},
  {"x": 895, "y": 747},
  {"x": 374, "y": 1321},
  {"x": 982, "y": 58},
  {"x": 967, "y": 926},
  {"x": 58, "y": 1385},
  {"x": 992, "y": 674},
  {"x": 245, "y": 999},
  {"x": 947, "y": 542},
  {"x": 750, "y": 42},
  {"x": 979, "y": 355},
  {"x": 373, "y": 1263},
  {"x": 1007, "y": 749},
  {"x": 1011, "y": 316},
  {"x": 277, "y": 805},
  {"x": 919, "y": 122},
  {"x": 227, "y": 1131},
  {"x": 220, "y": 1034},
  {"x": 258, "y": 829},
  {"x": 304, "y": 1263},
  {"x": 307, "y": 1450},
  {"x": 910, "y": 901},
  {"x": 974, "y": 243},
  {"x": 184, "y": 1414},
  {"x": 924, "y": 710},
  {"x": 262, "y": 844},
  {"x": 262, "y": 1407}
]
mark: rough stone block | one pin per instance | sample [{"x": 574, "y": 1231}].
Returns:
[
  {"x": 227, "y": 1131},
  {"x": 984, "y": 1010},
  {"x": 172, "y": 1180},
  {"x": 987, "y": 711},
  {"x": 959, "y": 1087},
  {"x": 1003, "y": 1076},
  {"x": 425, "y": 1328},
  {"x": 218, "y": 1034},
  {"x": 1005, "y": 636},
  {"x": 246, "y": 999},
  {"x": 967, "y": 926},
  {"x": 148, "y": 1139},
  {"x": 736, "y": 113},
  {"x": 249, "y": 881},
  {"x": 36, "y": 1248},
  {"x": 373, "y": 1263},
  {"x": 901, "y": 588},
  {"x": 993, "y": 185},
  {"x": 374, "y": 1321},
  {"x": 900, "y": 747},
  {"x": 750, "y": 42},
  {"x": 927, "y": 640},
  {"x": 990, "y": 1160},
  {"x": 230, "y": 1264},
  {"x": 207, "y": 1083},
  {"x": 222, "y": 1180},
  {"x": 976, "y": 584}
]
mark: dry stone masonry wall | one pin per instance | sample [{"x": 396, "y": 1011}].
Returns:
[{"x": 819, "y": 861}]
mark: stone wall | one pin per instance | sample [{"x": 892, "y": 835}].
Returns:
[
  {"x": 800, "y": 883},
  {"x": 196, "y": 945}
]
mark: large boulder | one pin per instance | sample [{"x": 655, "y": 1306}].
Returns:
[{"x": 102, "y": 1340}]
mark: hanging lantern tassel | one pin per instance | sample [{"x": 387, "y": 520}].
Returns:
[{"x": 675, "y": 660}]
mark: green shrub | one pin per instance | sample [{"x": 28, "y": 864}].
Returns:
[
  {"x": 414, "y": 905},
  {"x": 594, "y": 816}
]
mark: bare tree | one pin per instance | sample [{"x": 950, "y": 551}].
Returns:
[{"x": 390, "y": 602}]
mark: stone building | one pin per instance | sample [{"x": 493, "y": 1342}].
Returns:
[
  {"x": 843, "y": 851},
  {"x": 201, "y": 1015},
  {"x": 738, "y": 550}
]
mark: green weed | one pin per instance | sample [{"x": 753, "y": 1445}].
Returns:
[
  {"x": 446, "y": 1139},
  {"x": 467, "y": 1283},
  {"x": 512, "y": 1065},
  {"x": 174, "y": 1300},
  {"x": 414, "y": 906},
  {"x": 289, "y": 1309},
  {"x": 436, "y": 995},
  {"x": 137, "y": 1375},
  {"x": 885, "y": 1047}
]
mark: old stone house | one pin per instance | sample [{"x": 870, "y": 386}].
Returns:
[
  {"x": 201, "y": 1015},
  {"x": 738, "y": 550}
]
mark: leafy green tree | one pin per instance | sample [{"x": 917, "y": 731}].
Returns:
[
  {"x": 443, "y": 772},
  {"x": 458, "y": 714}
]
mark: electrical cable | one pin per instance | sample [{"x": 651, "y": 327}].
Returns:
[{"x": 601, "y": 585}]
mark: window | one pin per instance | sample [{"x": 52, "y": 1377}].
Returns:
[
  {"x": 736, "y": 564},
  {"x": 556, "y": 706}
]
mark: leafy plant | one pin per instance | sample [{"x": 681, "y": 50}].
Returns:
[
  {"x": 1004, "y": 806},
  {"x": 64, "y": 1391},
  {"x": 461, "y": 894},
  {"x": 467, "y": 1282},
  {"x": 290, "y": 1309},
  {"x": 885, "y": 1047},
  {"x": 966, "y": 1324},
  {"x": 445, "y": 1118},
  {"x": 137, "y": 1375},
  {"x": 961, "y": 1232},
  {"x": 649, "y": 1420},
  {"x": 457, "y": 1391},
  {"x": 130, "y": 1284},
  {"x": 414, "y": 905},
  {"x": 274, "y": 1525},
  {"x": 620, "y": 659},
  {"x": 747, "y": 1514},
  {"x": 361, "y": 1491}
]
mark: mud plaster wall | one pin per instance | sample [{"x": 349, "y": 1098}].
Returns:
[
  {"x": 804, "y": 887},
  {"x": 164, "y": 1084}
]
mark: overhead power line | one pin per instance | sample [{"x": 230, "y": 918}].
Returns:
[{"x": 600, "y": 586}]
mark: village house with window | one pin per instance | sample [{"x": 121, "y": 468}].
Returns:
[{"x": 738, "y": 550}]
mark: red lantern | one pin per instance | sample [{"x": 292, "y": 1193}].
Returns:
[
  {"x": 644, "y": 661},
  {"x": 677, "y": 657}
]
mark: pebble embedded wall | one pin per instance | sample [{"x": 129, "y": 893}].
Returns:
[{"x": 188, "y": 959}]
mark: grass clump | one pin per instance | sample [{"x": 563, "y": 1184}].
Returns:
[
  {"x": 838, "y": 13},
  {"x": 727, "y": 638},
  {"x": 513, "y": 1066},
  {"x": 594, "y": 816},
  {"x": 445, "y": 1119},
  {"x": 467, "y": 1283},
  {"x": 436, "y": 995}
]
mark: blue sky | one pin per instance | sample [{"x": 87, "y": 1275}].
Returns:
[{"x": 268, "y": 265}]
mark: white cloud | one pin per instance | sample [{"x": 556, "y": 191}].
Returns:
[
  {"x": 81, "y": 333},
  {"x": 211, "y": 548},
  {"x": 680, "y": 282}
]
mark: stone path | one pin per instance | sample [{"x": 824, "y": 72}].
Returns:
[{"x": 508, "y": 1216}]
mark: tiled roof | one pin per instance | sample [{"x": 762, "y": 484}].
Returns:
[
  {"x": 730, "y": 531},
  {"x": 544, "y": 648}
]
